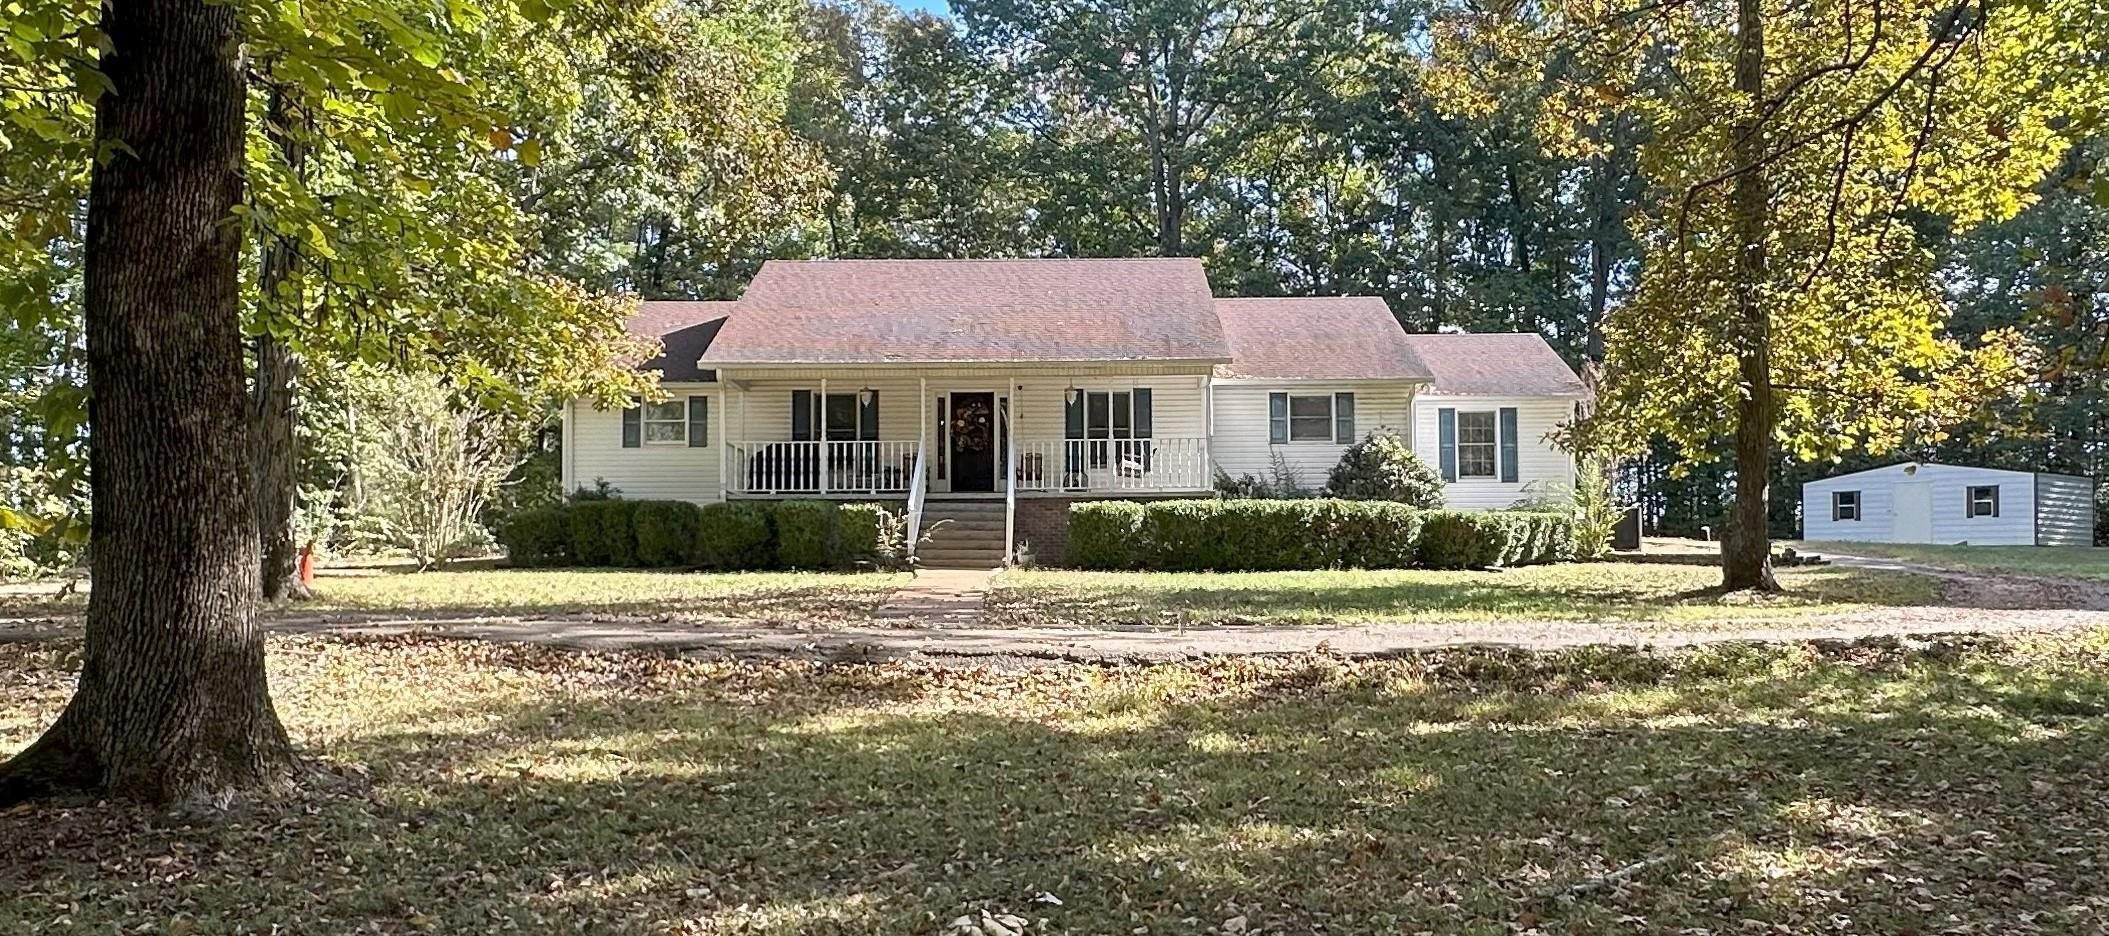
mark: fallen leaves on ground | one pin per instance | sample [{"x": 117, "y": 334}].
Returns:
[{"x": 1947, "y": 785}]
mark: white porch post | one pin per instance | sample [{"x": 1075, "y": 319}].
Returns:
[
  {"x": 1208, "y": 427},
  {"x": 724, "y": 440},
  {"x": 922, "y": 423},
  {"x": 820, "y": 434},
  {"x": 1010, "y": 473}
]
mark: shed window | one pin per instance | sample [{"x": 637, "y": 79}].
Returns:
[
  {"x": 1984, "y": 500},
  {"x": 1845, "y": 505},
  {"x": 1478, "y": 444},
  {"x": 666, "y": 423},
  {"x": 1311, "y": 418}
]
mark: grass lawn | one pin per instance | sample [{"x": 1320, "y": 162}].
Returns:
[
  {"x": 777, "y": 597},
  {"x": 1594, "y": 591},
  {"x": 2090, "y": 562},
  {"x": 478, "y": 788}
]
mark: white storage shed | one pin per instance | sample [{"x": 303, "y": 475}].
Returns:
[{"x": 1921, "y": 502}]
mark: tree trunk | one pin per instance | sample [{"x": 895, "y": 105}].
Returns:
[
  {"x": 172, "y": 702},
  {"x": 274, "y": 388},
  {"x": 277, "y": 465},
  {"x": 1746, "y": 550}
]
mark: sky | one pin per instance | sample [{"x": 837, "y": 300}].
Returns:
[{"x": 933, "y": 6}]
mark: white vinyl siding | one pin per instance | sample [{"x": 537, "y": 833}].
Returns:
[
  {"x": 1952, "y": 489},
  {"x": 1540, "y": 465},
  {"x": 593, "y": 452},
  {"x": 1241, "y": 446}
]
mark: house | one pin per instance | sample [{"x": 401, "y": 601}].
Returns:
[
  {"x": 995, "y": 392},
  {"x": 1921, "y": 502}
]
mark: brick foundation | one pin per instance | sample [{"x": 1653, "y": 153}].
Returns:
[{"x": 1043, "y": 523}]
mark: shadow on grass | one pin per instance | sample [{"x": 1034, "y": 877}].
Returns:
[
  {"x": 1579, "y": 592},
  {"x": 1446, "y": 792}
]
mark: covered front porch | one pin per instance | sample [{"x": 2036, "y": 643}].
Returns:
[{"x": 964, "y": 432}]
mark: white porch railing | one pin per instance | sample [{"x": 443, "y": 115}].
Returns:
[
  {"x": 822, "y": 467},
  {"x": 1113, "y": 465}
]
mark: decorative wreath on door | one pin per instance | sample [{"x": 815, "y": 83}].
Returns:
[{"x": 971, "y": 426}]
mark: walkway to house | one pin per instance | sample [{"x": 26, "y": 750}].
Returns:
[{"x": 937, "y": 598}]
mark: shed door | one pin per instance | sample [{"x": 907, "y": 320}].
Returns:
[{"x": 1914, "y": 513}]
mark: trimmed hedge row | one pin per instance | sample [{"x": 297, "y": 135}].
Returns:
[
  {"x": 665, "y": 534},
  {"x": 1261, "y": 535}
]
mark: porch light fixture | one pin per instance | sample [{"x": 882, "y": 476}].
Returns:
[
  {"x": 864, "y": 396},
  {"x": 1073, "y": 394}
]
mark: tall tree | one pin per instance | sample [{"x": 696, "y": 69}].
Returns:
[
  {"x": 1786, "y": 304},
  {"x": 1142, "y": 104},
  {"x": 172, "y": 700}
]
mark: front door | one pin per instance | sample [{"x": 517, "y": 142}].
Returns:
[
  {"x": 972, "y": 428},
  {"x": 1913, "y": 521}
]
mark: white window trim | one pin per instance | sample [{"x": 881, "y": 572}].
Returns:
[
  {"x": 1459, "y": 443},
  {"x": 1857, "y": 504},
  {"x": 1991, "y": 502},
  {"x": 645, "y": 422},
  {"x": 1330, "y": 419}
]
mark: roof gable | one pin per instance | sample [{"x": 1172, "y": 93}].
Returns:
[
  {"x": 685, "y": 329},
  {"x": 1498, "y": 364},
  {"x": 960, "y": 311},
  {"x": 1329, "y": 338}
]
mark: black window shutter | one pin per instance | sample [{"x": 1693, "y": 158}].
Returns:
[
  {"x": 1073, "y": 415},
  {"x": 868, "y": 417},
  {"x": 1508, "y": 444},
  {"x": 698, "y": 421},
  {"x": 632, "y": 427},
  {"x": 1446, "y": 441},
  {"x": 801, "y": 415},
  {"x": 1278, "y": 418},
  {"x": 1343, "y": 419},
  {"x": 1143, "y": 415}
]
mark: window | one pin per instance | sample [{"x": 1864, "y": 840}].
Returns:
[
  {"x": 840, "y": 416},
  {"x": 1478, "y": 445},
  {"x": 666, "y": 423},
  {"x": 1984, "y": 500},
  {"x": 1108, "y": 414},
  {"x": 1845, "y": 505},
  {"x": 1311, "y": 418}
]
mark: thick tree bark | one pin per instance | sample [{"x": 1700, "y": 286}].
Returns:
[
  {"x": 172, "y": 702},
  {"x": 273, "y": 389},
  {"x": 1746, "y": 552}
]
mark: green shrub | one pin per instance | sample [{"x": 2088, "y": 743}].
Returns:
[
  {"x": 858, "y": 539},
  {"x": 805, "y": 534},
  {"x": 1184, "y": 535},
  {"x": 603, "y": 532},
  {"x": 1368, "y": 534},
  {"x": 666, "y": 533},
  {"x": 1383, "y": 467},
  {"x": 1105, "y": 535},
  {"x": 537, "y": 536},
  {"x": 734, "y": 536},
  {"x": 1242, "y": 535},
  {"x": 1259, "y": 535},
  {"x": 1457, "y": 539}
]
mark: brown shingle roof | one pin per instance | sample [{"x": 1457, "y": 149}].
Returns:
[
  {"x": 1509, "y": 364},
  {"x": 1334, "y": 338},
  {"x": 933, "y": 311},
  {"x": 686, "y": 329}
]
